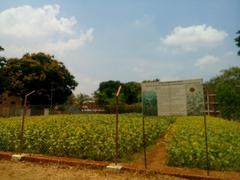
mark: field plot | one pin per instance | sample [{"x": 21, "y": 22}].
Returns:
[
  {"x": 81, "y": 136},
  {"x": 186, "y": 145}
]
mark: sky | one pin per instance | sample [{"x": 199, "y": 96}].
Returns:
[{"x": 125, "y": 40}]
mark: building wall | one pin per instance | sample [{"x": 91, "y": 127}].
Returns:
[
  {"x": 174, "y": 97},
  {"x": 10, "y": 105}
]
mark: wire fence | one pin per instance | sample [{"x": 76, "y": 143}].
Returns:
[{"x": 86, "y": 133}]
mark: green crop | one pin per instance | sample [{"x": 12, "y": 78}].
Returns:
[
  {"x": 81, "y": 136},
  {"x": 186, "y": 143}
]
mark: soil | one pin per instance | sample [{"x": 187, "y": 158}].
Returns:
[
  {"x": 157, "y": 160},
  {"x": 11, "y": 170}
]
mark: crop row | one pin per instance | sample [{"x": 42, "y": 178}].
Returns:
[
  {"x": 82, "y": 136},
  {"x": 186, "y": 143}
]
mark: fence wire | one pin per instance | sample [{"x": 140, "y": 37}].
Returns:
[{"x": 90, "y": 133}]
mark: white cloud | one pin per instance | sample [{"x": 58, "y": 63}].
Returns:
[
  {"x": 73, "y": 43},
  {"x": 26, "y": 28},
  {"x": 207, "y": 60},
  {"x": 193, "y": 37}
]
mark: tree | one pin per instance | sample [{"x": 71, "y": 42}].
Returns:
[
  {"x": 227, "y": 88},
  {"x": 131, "y": 92},
  {"x": 3, "y": 78},
  {"x": 237, "y": 39},
  {"x": 105, "y": 95},
  {"x": 129, "y": 97},
  {"x": 50, "y": 79},
  {"x": 81, "y": 99}
]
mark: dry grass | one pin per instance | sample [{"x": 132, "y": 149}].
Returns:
[{"x": 11, "y": 170}]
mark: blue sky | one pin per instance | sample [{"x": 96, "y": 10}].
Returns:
[{"x": 126, "y": 40}]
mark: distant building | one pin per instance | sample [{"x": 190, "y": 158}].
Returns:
[
  {"x": 184, "y": 97},
  {"x": 10, "y": 105}
]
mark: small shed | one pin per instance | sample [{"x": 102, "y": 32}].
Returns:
[{"x": 184, "y": 97}]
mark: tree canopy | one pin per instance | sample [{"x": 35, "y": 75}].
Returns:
[
  {"x": 237, "y": 39},
  {"x": 3, "y": 79},
  {"x": 227, "y": 87},
  {"x": 50, "y": 79},
  {"x": 130, "y": 93}
]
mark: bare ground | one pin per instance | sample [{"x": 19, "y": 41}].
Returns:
[
  {"x": 157, "y": 160},
  {"x": 11, "y": 170}
]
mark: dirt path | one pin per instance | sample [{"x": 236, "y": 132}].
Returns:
[
  {"x": 11, "y": 170},
  {"x": 156, "y": 160},
  {"x": 156, "y": 157}
]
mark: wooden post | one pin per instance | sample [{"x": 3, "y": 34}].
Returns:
[
  {"x": 143, "y": 134},
  {"x": 144, "y": 142},
  {"x": 23, "y": 117},
  {"x": 117, "y": 129},
  {"x": 206, "y": 134}
]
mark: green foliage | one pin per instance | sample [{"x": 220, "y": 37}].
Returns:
[
  {"x": 237, "y": 40},
  {"x": 227, "y": 88},
  {"x": 106, "y": 92},
  {"x": 82, "y": 99},
  {"x": 186, "y": 143},
  {"x": 3, "y": 78},
  {"x": 81, "y": 136},
  {"x": 42, "y": 73},
  {"x": 130, "y": 94},
  {"x": 124, "y": 108}
]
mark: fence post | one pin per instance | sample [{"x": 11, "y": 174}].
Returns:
[
  {"x": 206, "y": 142},
  {"x": 206, "y": 134},
  {"x": 143, "y": 132},
  {"x": 116, "y": 138},
  {"x": 144, "y": 142},
  {"x": 23, "y": 117}
]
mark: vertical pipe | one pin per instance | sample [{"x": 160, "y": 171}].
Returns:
[
  {"x": 144, "y": 142},
  {"x": 206, "y": 135},
  {"x": 117, "y": 129},
  {"x": 143, "y": 132},
  {"x": 23, "y": 117},
  {"x": 206, "y": 142},
  {"x": 116, "y": 138},
  {"x": 208, "y": 102},
  {"x": 22, "y": 124}
]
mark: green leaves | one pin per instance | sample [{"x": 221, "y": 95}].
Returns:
[
  {"x": 81, "y": 136},
  {"x": 227, "y": 89},
  {"x": 186, "y": 145},
  {"x": 42, "y": 73}
]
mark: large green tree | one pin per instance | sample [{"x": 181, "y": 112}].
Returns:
[
  {"x": 130, "y": 93},
  {"x": 41, "y": 72},
  {"x": 237, "y": 39},
  {"x": 227, "y": 88}
]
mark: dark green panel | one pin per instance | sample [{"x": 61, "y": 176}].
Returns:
[{"x": 150, "y": 103}]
